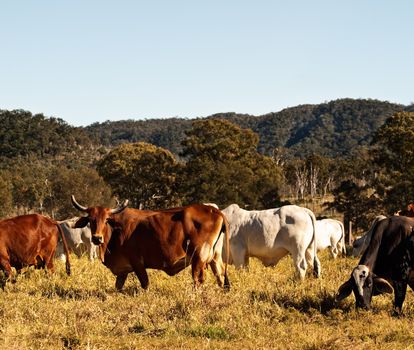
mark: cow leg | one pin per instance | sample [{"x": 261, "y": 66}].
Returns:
[
  {"x": 120, "y": 281},
  {"x": 218, "y": 270},
  {"x": 400, "y": 289},
  {"x": 173, "y": 269},
  {"x": 49, "y": 265},
  {"x": 239, "y": 255},
  {"x": 60, "y": 254},
  {"x": 142, "y": 275},
  {"x": 198, "y": 273},
  {"x": 90, "y": 249},
  {"x": 313, "y": 260},
  {"x": 93, "y": 252},
  {"x": 6, "y": 267},
  {"x": 334, "y": 252},
  {"x": 299, "y": 261},
  {"x": 316, "y": 266}
]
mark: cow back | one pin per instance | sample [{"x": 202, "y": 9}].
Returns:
[
  {"x": 387, "y": 237},
  {"x": 27, "y": 236}
]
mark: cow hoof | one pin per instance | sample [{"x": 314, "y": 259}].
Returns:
[{"x": 397, "y": 312}]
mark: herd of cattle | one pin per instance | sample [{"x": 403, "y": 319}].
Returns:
[{"x": 133, "y": 240}]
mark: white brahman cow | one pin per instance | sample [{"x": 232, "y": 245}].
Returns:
[
  {"x": 79, "y": 240},
  {"x": 271, "y": 234},
  {"x": 330, "y": 233}
]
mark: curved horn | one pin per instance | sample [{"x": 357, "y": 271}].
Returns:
[
  {"x": 77, "y": 205},
  {"x": 120, "y": 207}
]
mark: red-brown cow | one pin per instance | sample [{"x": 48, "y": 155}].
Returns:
[
  {"x": 29, "y": 240},
  {"x": 409, "y": 211},
  {"x": 132, "y": 240}
]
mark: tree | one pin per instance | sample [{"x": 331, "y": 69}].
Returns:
[
  {"x": 315, "y": 175},
  {"x": 395, "y": 142},
  {"x": 223, "y": 166},
  {"x": 141, "y": 172},
  {"x": 81, "y": 181},
  {"x": 30, "y": 184},
  {"x": 358, "y": 203},
  {"x": 6, "y": 195},
  {"x": 394, "y": 156}
]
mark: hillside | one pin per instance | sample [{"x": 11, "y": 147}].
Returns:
[
  {"x": 333, "y": 129},
  {"x": 24, "y": 134}
]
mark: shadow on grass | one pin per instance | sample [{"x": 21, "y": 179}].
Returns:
[
  {"x": 131, "y": 290},
  {"x": 140, "y": 329},
  {"x": 73, "y": 293},
  {"x": 324, "y": 301},
  {"x": 71, "y": 342}
]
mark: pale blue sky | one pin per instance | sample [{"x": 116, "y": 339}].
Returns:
[{"x": 87, "y": 61}]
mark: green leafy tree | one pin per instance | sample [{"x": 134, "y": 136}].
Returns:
[
  {"x": 395, "y": 142},
  {"x": 24, "y": 134},
  {"x": 31, "y": 185},
  {"x": 83, "y": 182},
  {"x": 143, "y": 173},
  {"x": 358, "y": 204},
  {"x": 6, "y": 195},
  {"x": 42, "y": 187},
  {"x": 394, "y": 155},
  {"x": 223, "y": 166}
]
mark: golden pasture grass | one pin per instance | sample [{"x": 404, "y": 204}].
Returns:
[{"x": 265, "y": 309}]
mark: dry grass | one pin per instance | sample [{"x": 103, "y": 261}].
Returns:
[{"x": 265, "y": 309}]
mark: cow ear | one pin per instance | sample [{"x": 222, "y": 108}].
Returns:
[
  {"x": 344, "y": 290},
  {"x": 381, "y": 286},
  {"x": 82, "y": 222}
]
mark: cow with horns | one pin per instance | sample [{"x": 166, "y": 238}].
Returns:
[{"x": 132, "y": 240}]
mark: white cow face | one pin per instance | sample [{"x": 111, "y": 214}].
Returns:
[{"x": 365, "y": 285}]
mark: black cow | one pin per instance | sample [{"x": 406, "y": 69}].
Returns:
[{"x": 385, "y": 265}]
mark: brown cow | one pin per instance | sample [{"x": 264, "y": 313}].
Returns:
[
  {"x": 132, "y": 240},
  {"x": 409, "y": 211},
  {"x": 29, "y": 240}
]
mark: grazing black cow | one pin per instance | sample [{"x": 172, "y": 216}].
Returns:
[{"x": 389, "y": 258}]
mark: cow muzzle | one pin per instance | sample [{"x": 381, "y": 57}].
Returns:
[
  {"x": 97, "y": 240},
  {"x": 363, "y": 305}
]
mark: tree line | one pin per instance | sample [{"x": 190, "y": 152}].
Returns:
[{"x": 332, "y": 129}]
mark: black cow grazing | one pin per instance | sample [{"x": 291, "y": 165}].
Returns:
[{"x": 389, "y": 258}]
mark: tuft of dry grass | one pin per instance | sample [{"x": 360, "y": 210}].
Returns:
[{"x": 266, "y": 308}]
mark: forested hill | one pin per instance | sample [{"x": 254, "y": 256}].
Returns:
[
  {"x": 166, "y": 133},
  {"x": 23, "y": 134},
  {"x": 333, "y": 128}
]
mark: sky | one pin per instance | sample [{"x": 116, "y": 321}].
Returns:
[{"x": 87, "y": 61}]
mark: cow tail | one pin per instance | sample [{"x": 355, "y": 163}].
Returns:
[
  {"x": 226, "y": 227},
  {"x": 65, "y": 247},
  {"x": 316, "y": 263},
  {"x": 343, "y": 246}
]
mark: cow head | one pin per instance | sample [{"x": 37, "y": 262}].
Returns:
[
  {"x": 365, "y": 285},
  {"x": 97, "y": 217}
]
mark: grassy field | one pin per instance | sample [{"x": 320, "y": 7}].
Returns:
[{"x": 265, "y": 309}]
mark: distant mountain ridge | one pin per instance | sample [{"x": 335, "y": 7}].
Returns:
[{"x": 333, "y": 128}]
